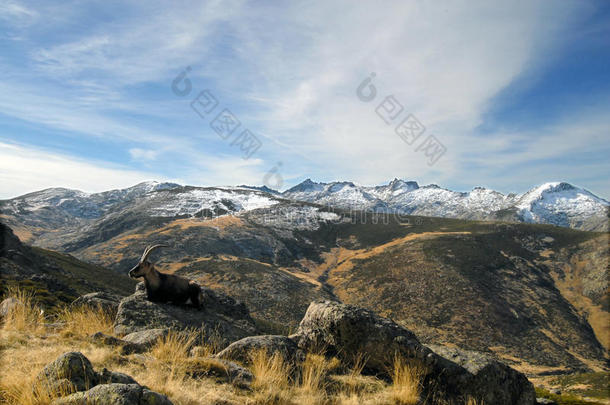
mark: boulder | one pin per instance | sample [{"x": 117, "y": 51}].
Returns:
[
  {"x": 72, "y": 373},
  {"x": 492, "y": 381},
  {"x": 71, "y": 366},
  {"x": 115, "y": 394},
  {"x": 107, "y": 301},
  {"x": 240, "y": 350},
  {"x": 345, "y": 331},
  {"x": 222, "y": 318}
]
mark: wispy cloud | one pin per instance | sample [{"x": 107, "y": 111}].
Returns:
[
  {"x": 289, "y": 71},
  {"x": 24, "y": 169}
]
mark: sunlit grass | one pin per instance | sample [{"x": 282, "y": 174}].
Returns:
[{"x": 25, "y": 315}]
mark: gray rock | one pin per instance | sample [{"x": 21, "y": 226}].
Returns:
[
  {"x": 344, "y": 331},
  {"x": 147, "y": 337},
  {"x": 107, "y": 301},
  {"x": 109, "y": 377},
  {"x": 555, "y": 391},
  {"x": 7, "y": 305},
  {"x": 105, "y": 394},
  {"x": 492, "y": 381},
  {"x": 240, "y": 350},
  {"x": 222, "y": 318},
  {"x": 71, "y": 366},
  {"x": 153, "y": 398},
  {"x": 115, "y": 394},
  {"x": 72, "y": 377},
  {"x": 126, "y": 346}
]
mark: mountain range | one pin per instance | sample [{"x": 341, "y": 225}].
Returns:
[
  {"x": 559, "y": 203},
  {"x": 534, "y": 295}
]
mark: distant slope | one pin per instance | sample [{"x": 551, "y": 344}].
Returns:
[{"x": 55, "y": 278}]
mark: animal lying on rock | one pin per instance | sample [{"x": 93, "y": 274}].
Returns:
[{"x": 161, "y": 287}]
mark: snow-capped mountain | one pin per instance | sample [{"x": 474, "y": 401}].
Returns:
[
  {"x": 552, "y": 203},
  {"x": 68, "y": 207},
  {"x": 559, "y": 204}
]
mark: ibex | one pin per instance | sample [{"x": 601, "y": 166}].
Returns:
[{"x": 161, "y": 287}]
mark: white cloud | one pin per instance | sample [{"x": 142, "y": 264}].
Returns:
[
  {"x": 24, "y": 169},
  {"x": 294, "y": 68},
  {"x": 16, "y": 12},
  {"x": 143, "y": 154}
]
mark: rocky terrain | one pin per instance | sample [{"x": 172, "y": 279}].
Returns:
[
  {"x": 532, "y": 296},
  {"x": 329, "y": 329}
]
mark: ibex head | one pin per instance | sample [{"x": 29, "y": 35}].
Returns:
[{"x": 144, "y": 266}]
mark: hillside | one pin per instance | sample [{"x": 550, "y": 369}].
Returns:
[{"x": 54, "y": 277}]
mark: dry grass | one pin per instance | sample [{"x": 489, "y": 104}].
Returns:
[
  {"x": 407, "y": 381},
  {"x": 270, "y": 371},
  {"x": 26, "y": 315},
  {"x": 184, "y": 372},
  {"x": 84, "y": 320},
  {"x": 174, "y": 347}
]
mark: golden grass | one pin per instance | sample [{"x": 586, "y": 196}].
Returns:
[
  {"x": 174, "y": 347},
  {"x": 184, "y": 372},
  {"x": 26, "y": 315},
  {"x": 84, "y": 320},
  {"x": 270, "y": 371},
  {"x": 407, "y": 381}
]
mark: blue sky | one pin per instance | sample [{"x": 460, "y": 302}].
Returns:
[{"x": 517, "y": 92}]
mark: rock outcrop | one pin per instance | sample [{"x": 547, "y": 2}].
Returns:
[
  {"x": 222, "y": 318},
  {"x": 344, "y": 331}
]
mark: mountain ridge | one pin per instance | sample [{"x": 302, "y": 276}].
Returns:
[{"x": 555, "y": 203}]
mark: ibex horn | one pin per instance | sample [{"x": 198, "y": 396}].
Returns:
[{"x": 149, "y": 250}]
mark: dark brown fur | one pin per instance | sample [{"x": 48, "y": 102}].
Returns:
[{"x": 161, "y": 287}]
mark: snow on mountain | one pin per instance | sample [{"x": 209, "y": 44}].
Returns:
[
  {"x": 338, "y": 194},
  {"x": 560, "y": 204},
  {"x": 79, "y": 204},
  {"x": 552, "y": 203},
  {"x": 191, "y": 201}
]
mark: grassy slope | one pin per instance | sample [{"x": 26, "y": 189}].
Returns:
[{"x": 68, "y": 278}]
